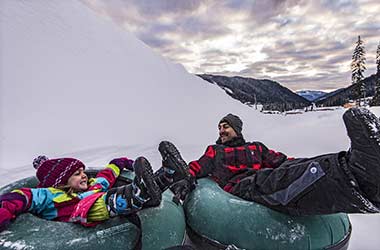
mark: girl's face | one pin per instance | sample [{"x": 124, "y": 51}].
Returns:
[{"x": 78, "y": 181}]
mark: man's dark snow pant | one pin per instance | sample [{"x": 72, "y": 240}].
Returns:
[{"x": 321, "y": 185}]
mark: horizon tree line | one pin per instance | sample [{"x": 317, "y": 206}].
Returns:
[{"x": 357, "y": 68}]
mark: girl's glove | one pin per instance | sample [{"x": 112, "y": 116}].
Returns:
[
  {"x": 11, "y": 204},
  {"x": 5, "y": 218},
  {"x": 123, "y": 162},
  {"x": 124, "y": 200}
]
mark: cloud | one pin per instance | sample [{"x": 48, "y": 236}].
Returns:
[
  {"x": 339, "y": 6},
  {"x": 299, "y": 43}
]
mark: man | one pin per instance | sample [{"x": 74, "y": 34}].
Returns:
[{"x": 348, "y": 181}]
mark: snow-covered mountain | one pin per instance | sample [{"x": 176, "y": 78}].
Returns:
[
  {"x": 311, "y": 95},
  {"x": 251, "y": 90},
  {"x": 73, "y": 84}
]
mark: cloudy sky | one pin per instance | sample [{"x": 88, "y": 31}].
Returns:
[{"x": 302, "y": 44}]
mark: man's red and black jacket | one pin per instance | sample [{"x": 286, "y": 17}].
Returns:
[{"x": 227, "y": 165}]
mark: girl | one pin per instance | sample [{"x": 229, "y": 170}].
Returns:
[{"x": 65, "y": 193}]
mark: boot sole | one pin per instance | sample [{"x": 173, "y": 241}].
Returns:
[
  {"x": 370, "y": 125},
  {"x": 167, "y": 148},
  {"x": 151, "y": 186}
]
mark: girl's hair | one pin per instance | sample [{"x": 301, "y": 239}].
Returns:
[{"x": 67, "y": 189}]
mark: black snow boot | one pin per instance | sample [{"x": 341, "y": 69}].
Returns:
[
  {"x": 173, "y": 169},
  {"x": 143, "y": 192},
  {"x": 144, "y": 183},
  {"x": 363, "y": 128}
]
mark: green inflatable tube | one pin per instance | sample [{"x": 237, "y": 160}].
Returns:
[
  {"x": 216, "y": 219},
  {"x": 162, "y": 227}
]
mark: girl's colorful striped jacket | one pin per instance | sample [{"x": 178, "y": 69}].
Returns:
[{"x": 88, "y": 208}]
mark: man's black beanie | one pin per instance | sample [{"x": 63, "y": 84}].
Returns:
[{"x": 234, "y": 121}]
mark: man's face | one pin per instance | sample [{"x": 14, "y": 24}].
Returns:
[{"x": 226, "y": 132}]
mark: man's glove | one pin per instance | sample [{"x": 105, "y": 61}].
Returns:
[
  {"x": 182, "y": 188},
  {"x": 123, "y": 162}
]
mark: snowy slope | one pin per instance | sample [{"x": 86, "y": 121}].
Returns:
[
  {"x": 71, "y": 81},
  {"x": 72, "y": 84}
]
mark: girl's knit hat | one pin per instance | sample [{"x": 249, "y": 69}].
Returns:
[{"x": 55, "y": 172}]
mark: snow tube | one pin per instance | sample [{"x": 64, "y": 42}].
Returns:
[
  {"x": 162, "y": 227},
  {"x": 216, "y": 219}
]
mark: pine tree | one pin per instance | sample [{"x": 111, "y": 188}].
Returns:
[
  {"x": 378, "y": 61},
  {"x": 376, "y": 98},
  {"x": 377, "y": 88},
  {"x": 357, "y": 69}
]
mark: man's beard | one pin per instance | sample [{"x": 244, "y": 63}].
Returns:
[{"x": 234, "y": 141}]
